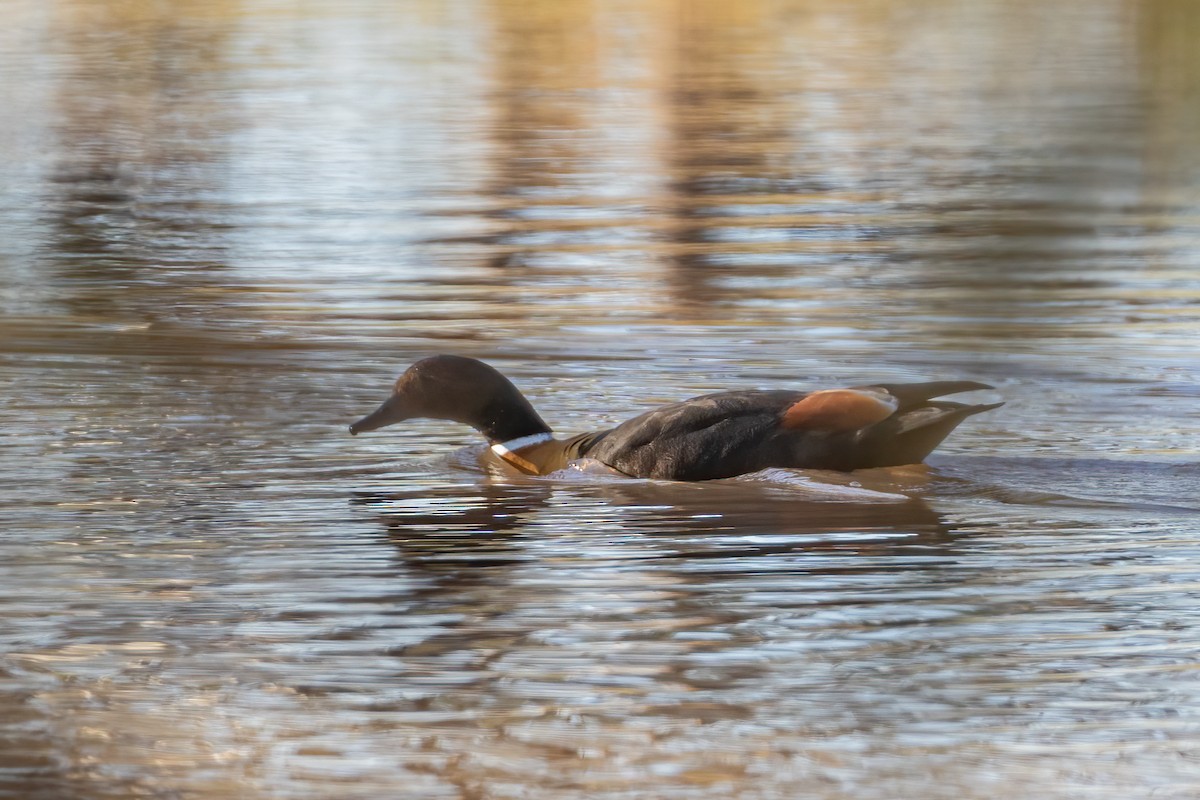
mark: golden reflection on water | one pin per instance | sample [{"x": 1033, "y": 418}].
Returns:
[{"x": 229, "y": 225}]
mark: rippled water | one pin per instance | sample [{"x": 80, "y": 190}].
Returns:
[{"x": 228, "y": 226}]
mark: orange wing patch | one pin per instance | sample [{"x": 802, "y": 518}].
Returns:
[{"x": 839, "y": 410}]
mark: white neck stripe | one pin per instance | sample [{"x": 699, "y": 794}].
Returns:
[{"x": 513, "y": 445}]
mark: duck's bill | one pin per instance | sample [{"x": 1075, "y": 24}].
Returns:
[{"x": 389, "y": 413}]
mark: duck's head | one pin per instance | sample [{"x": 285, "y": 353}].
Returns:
[{"x": 462, "y": 390}]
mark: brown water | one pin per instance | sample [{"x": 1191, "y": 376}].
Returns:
[{"x": 227, "y": 226}]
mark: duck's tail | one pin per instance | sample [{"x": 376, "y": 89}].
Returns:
[{"x": 919, "y": 425}]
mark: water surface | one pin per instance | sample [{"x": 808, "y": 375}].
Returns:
[{"x": 228, "y": 226}]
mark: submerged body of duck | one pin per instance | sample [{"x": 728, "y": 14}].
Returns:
[{"x": 712, "y": 436}]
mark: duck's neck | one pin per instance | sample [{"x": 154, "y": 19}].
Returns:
[
  {"x": 511, "y": 418},
  {"x": 514, "y": 451}
]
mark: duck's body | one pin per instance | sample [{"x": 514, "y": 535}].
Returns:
[{"x": 713, "y": 436}]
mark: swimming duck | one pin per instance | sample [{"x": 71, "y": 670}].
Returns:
[{"x": 712, "y": 436}]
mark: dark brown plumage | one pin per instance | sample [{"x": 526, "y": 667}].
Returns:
[{"x": 713, "y": 436}]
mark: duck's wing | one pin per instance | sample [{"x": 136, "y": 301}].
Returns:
[
  {"x": 731, "y": 433},
  {"x": 915, "y": 395},
  {"x": 712, "y": 436}
]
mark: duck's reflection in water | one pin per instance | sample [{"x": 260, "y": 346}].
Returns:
[
  {"x": 621, "y": 599},
  {"x": 463, "y": 527},
  {"x": 756, "y": 521},
  {"x": 457, "y": 530}
]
